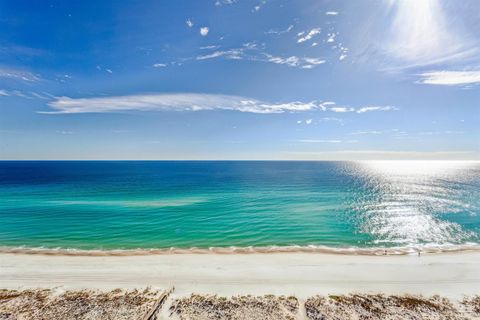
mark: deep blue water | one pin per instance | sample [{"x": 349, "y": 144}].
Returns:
[{"x": 162, "y": 204}]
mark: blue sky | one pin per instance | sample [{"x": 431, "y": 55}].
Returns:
[{"x": 240, "y": 79}]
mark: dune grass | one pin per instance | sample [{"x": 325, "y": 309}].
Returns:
[
  {"x": 149, "y": 304},
  {"x": 83, "y": 304}
]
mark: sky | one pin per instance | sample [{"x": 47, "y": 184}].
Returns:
[{"x": 240, "y": 79}]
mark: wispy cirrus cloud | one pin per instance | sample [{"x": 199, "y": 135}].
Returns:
[
  {"x": 295, "y": 61},
  {"x": 220, "y": 3},
  {"x": 25, "y": 94},
  {"x": 210, "y": 47},
  {"x": 175, "y": 102},
  {"x": 341, "y": 109},
  {"x": 191, "y": 102},
  {"x": 235, "y": 54},
  {"x": 254, "y": 52},
  {"x": 324, "y": 119},
  {"x": 280, "y": 31},
  {"x": 362, "y": 109},
  {"x": 308, "y": 35},
  {"x": 13, "y": 93},
  {"x": 18, "y": 74},
  {"x": 450, "y": 78},
  {"x": 292, "y": 61},
  {"x": 362, "y": 132},
  {"x": 376, "y": 108}
]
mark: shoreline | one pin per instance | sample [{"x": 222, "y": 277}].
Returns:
[
  {"x": 313, "y": 249},
  {"x": 301, "y": 274}
]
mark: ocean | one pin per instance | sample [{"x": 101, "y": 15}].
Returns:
[{"x": 239, "y": 205}]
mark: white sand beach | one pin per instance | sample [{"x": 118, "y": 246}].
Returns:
[{"x": 301, "y": 274}]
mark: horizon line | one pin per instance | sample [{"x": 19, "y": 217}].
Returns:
[{"x": 240, "y": 160}]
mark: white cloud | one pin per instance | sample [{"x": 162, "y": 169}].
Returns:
[
  {"x": 308, "y": 35},
  {"x": 314, "y": 61},
  {"x": 189, "y": 23},
  {"x": 212, "y": 47},
  {"x": 331, "y": 37},
  {"x": 234, "y": 54},
  {"x": 341, "y": 109},
  {"x": 253, "y": 52},
  {"x": 259, "y": 6},
  {"x": 376, "y": 108},
  {"x": 360, "y": 132},
  {"x": 331, "y": 13},
  {"x": 274, "y": 31},
  {"x": 204, "y": 31},
  {"x": 44, "y": 96},
  {"x": 294, "y": 61},
  {"x": 328, "y": 103},
  {"x": 363, "y": 109},
  {"x": 16, "y": 74},
  {"x": 106, "y": 70},
  {"x": 159, "y": 65},
  {"x": 21, "y": 94},
  {"x": 212, "y": 55},
  {"x": 308, "y": 121},
  {"x": 450, "y": 78},
  {"x": 219, "y": 3},
  {"x": 175, "y": 102},
  {"x": 26, "y": 94},
  {"x": 253, "y": 45}
]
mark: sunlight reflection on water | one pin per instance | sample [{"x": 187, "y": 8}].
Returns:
[{"x": 402, "y": 202}]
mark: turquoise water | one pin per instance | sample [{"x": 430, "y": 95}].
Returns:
[{"x": 185, "y": 204}]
